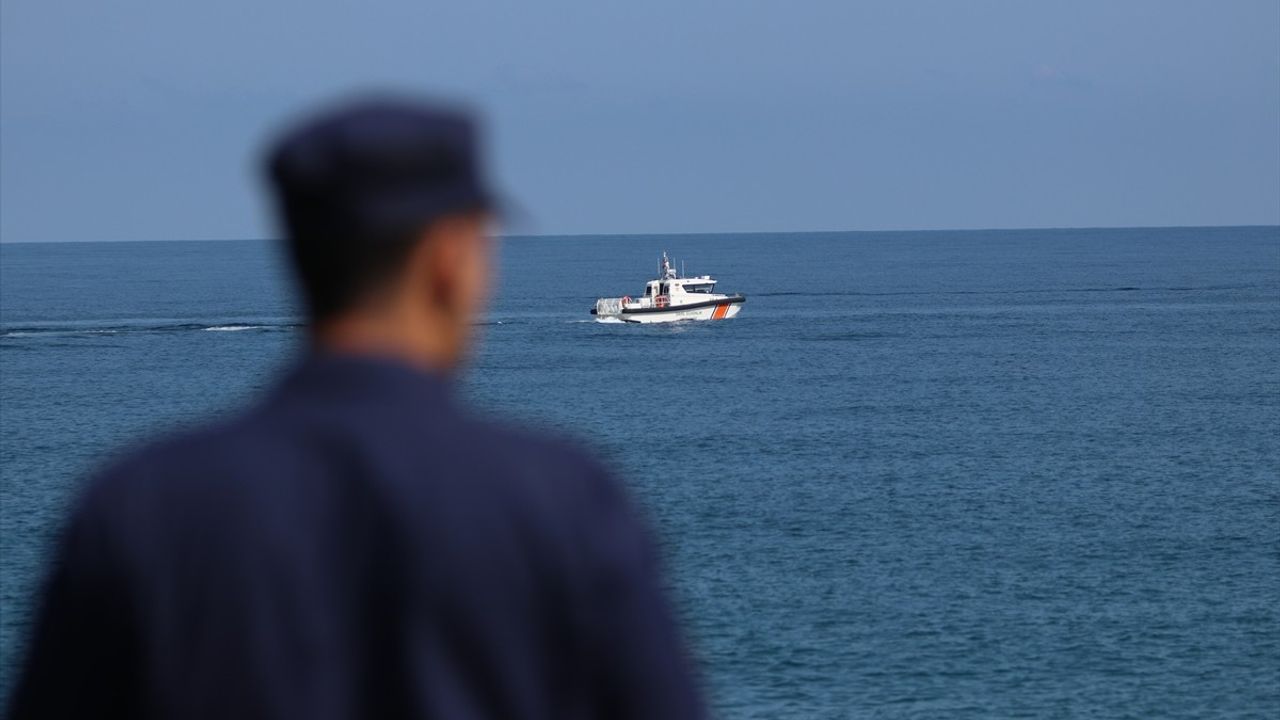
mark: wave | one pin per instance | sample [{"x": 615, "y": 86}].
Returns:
[
  {"x": 234, "y": 328},
  {"x": 1026, "y": 291},
  {"x": 128, "y": 327}
]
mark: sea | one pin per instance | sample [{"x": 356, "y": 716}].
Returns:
[{"x": 970, "y": 474}]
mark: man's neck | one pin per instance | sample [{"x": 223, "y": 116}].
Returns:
[{"x": 417, "y": 342}]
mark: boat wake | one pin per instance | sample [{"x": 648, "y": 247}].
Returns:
[
  {"x": 132, "y": 327},
  {"x": 1016, "y": 291},
  {"x": 153, "y": 327},
  {"x": 235, "y": 328}
]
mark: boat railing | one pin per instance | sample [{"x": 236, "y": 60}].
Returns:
[
  {"x": 615, "y": 306},
  {"x": 641, "y": 302}
]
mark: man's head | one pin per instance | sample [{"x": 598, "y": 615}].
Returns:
[{"x": 386, "y": 214}]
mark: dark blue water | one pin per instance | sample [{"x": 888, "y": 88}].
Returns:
[{"x": 958, "y": 474}]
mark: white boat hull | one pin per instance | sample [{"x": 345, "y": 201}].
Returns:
[{"x": 725, "y": 310}]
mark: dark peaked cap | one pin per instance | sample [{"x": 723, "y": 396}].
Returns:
[{"x": 377, "y": 166}]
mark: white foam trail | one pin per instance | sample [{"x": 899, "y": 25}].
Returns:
[
  {"x": 609, "y": 321},
  {"x": 233, "y": 328},
  {"x": 55, "y": 333}
]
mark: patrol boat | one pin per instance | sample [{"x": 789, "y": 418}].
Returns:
[{"x": 671, "y": 298}]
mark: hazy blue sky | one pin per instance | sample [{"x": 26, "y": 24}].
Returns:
[{"x": 142, "y": 120}]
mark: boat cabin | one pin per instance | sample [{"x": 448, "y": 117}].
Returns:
[{"x": 703, "y": 285}]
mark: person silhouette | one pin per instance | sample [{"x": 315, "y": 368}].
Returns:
[{"x": 357, "y": 543}]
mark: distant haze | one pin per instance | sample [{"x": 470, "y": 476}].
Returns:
[{"x": 142, "y": 120}]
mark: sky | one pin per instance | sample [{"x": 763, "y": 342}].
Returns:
[{"x": 135, "y": 120}]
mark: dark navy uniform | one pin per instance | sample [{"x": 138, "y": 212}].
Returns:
[{"x": 357, "y": 546}]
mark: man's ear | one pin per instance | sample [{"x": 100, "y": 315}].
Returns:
[
  {"x": 450, "y": 263},
  {"x": 441, "y": 254}
]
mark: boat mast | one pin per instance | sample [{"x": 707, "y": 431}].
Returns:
[{"x": 665, "y": 271}]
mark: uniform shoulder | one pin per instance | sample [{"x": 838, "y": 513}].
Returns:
[
  {"x": 524, "y": 445},
  {"x": 184, "y": 446},
  {"x": 173, "y": 464}
]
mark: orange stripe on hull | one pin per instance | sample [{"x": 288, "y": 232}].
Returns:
[{"x": 720, "y": 312}]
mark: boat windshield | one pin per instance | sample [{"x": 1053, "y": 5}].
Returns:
[{"x": 707, "y": 288}]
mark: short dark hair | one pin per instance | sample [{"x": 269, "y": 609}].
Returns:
[{"x": 335, "y": 271}]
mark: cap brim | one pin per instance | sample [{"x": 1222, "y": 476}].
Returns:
[
  {"x": 509, "y": 213},
  {"x": 409, "y": 209}
]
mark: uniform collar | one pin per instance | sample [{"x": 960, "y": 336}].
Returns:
[{"x": 351, "y": 376}]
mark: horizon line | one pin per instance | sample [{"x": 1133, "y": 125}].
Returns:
[{"x": 536, "y": 236}]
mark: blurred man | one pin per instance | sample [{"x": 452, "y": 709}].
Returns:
[{"x": 357, "y": 545}]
